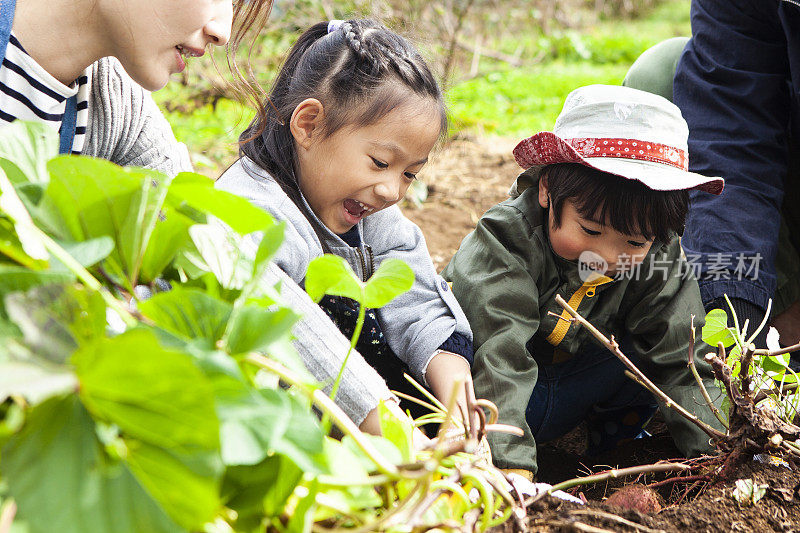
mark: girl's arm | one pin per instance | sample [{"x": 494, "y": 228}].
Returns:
[{"x": 417, "y": 323}]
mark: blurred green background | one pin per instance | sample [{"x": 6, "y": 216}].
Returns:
[{"x": 507, "y": 65}]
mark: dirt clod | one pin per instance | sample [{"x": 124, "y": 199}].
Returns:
[{"x": 636, "y": 497}]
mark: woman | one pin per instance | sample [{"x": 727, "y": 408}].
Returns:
[{"x": 85, "y": 67}]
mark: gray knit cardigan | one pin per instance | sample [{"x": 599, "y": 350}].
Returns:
[{"x": 127, "y": 128}]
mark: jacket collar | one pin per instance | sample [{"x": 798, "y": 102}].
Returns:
[{"x": 332, "y": 240}]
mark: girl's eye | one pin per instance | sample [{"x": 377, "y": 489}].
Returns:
[
  {"x": 636, "y": 244},
  {"x": 589, "y": 231},
  {"x": 379, "y": 163},
  {"x": 411, "y": 176}
]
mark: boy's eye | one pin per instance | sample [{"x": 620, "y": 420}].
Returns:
[
  {"x": 589, "y": 231},
  {"x": 411, "y": 176},
  {"x": 379, "y": 163},
  {"x": 637, "y": 244}
]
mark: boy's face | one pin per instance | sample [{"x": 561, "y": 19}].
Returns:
[{"x": 576, "y": 235}]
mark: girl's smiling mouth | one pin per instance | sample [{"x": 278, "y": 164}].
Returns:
[{"x": 355, "y": 210}]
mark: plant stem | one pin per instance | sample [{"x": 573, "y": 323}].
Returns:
[
  {"x": 326, "y": 405},
  {"x": 782, "y": 351},
  {"x": 649, "y": 385},
  {"x": 362, "y": 311},
  {"x": 54, "y": 249},
  {"x": 763, "y": 323},
  {"x": 684, "y": 479},
  {"x": 621, "y": 472},
  {"x": 699, "y": 380}
]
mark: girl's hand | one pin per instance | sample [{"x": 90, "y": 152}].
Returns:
[{"x": 443, "y": 371}]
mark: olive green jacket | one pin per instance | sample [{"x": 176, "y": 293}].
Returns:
[{"x": 506, "y": 276}]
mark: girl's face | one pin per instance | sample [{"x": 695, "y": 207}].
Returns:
[
  {"x": 152, "y": 38},
  {"x": 358, "y": 171}
]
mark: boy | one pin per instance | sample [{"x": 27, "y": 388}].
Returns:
[{"x": 595, "y": 217}]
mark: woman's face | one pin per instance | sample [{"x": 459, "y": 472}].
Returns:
[{"x": 153, "y": 38}]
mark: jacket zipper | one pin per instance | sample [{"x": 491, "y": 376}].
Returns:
[
  {"x": 563, "y": 323},
  {"x": 367, "y": 268}
]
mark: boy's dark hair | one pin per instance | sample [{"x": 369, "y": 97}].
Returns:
[
  {"x": 355, "y": 71},
  {"x": 626, "y": 205}
]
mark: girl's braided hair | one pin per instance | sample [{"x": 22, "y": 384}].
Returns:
[{"x": 360, "y": 71}]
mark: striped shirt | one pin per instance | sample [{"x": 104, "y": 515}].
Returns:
[{"x": 29, "y": 92}]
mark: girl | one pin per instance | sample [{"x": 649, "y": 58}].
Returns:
[{"x": 350, "y": 121}]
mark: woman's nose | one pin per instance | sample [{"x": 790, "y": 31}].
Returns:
[{"x": 218, "y": 29}]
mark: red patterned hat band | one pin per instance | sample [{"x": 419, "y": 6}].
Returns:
[{"x": 630, "y": 149}]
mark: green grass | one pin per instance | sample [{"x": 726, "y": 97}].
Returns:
[{"x": 519, "y": 102}]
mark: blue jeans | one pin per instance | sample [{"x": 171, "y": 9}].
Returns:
[{"x": 591, "y": 386}]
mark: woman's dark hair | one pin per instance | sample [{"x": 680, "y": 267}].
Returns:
[
  {"x": 626, "y": 205},
  {"x": 360, "y": 72},
  {"x": 249, "y": 16}
]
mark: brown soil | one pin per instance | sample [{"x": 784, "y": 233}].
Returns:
[
  {"x": 467, "y": 177},
  {"x": 464, "y": 179}
]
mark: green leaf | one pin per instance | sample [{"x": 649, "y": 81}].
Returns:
[
  {"x": 346, "y": 467},
  {"x": 11, "y": 247},
  {"x": 189, "y": 313},
  {"x": 775, "y": 364},
  {"x": 271, "y": 240},
  {"x": 255, "y": 329},
  {"x": 716, "y": 329},
  {"x": 15, "y": 279},
  {"x": 250, "y": 422},
  {"x": 260, "y": 490},
  {"x": 187, "y": 487},
  {"x": 90, "y": 198},
  {"x": 302, "y": 518},
  {"x": 61, "y": 481},
  {"x": 222, "y": 254},
  {"x": 56, "y": 319},
  {"x": 87, "y": 253},
  {"x": 25, "y": 148},
  {"x": 398, "y": 431},
  {"x": 164, "y": 406},
  {"x": 170, "y": 236},
  {"x": 153, "y": 394},
  {"x": 384, "y": 447},
  {"x": 198, "y": 192},
  {"x": 27, "y": 234},
  {"x": 330, "y": 274},
  {"x": 34, "y": 382},
  {"x": 303, "y": 440},
  {"x": 393, "y": 278}
]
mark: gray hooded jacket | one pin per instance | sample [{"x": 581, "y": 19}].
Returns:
[{"x": 416, "y": 323}]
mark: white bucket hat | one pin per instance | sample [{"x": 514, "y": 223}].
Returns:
[{"x": 627, "y": 132}]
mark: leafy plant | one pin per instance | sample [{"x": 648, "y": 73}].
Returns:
[
  {"x": 147, "y": 376},
  {"x": 763, "y": 373}
]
